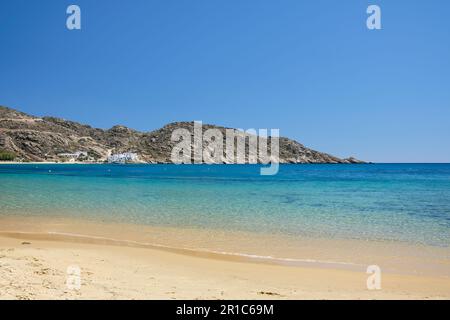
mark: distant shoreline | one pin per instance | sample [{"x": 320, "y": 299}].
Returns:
[
  {"x": 46, "y": 162},
  {"x": 51, "y": 137},
  {"x": 159, "y": 163}
]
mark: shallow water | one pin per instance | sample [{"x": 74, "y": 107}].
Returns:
[{"x": 395, "y": 202}]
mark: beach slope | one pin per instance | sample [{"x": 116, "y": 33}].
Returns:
[{"x": 37, "y": 269}]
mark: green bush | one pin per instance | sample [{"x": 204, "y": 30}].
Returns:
[{"x": 7, "y": 155}]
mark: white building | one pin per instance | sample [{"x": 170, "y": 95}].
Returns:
[{"x": 123, "y": 157}]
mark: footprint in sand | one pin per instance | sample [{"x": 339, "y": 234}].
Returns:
[
  {"x": 48, "y": 285},
  {"x": 42, "y": 272},
  {"x": 268, "y": 293}
]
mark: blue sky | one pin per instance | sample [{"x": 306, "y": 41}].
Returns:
[{"x": 310, "y": 68}]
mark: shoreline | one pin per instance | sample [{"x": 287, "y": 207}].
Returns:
[
  {"x": 37, "y": 269},
  {"x": 71, "y": 238},
  {"x": 46, "y": 162},
  {"x": 35, "y": 255},
  {"x": 165, "y": 163},
  {"x": 218, "y": 244}
]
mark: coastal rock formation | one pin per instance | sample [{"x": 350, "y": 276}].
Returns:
[{"x": 52, "y": 139}]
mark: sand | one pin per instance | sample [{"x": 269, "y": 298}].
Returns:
[{"x": 37, "y": 268}]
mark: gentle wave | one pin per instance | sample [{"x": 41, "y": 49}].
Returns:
[{"x": 208, "y": 251}]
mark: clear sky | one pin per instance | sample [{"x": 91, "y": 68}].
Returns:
[{"x": 310, "y": 68}]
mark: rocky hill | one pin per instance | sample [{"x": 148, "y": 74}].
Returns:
[{"x": 51, "y": 139}]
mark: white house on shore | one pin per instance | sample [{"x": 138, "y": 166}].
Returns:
[{"x": 123, "y": 157}]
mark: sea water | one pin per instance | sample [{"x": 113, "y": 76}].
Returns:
[{"x": 393, "y": 202}]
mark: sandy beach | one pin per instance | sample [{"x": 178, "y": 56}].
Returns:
[
  {"x": 246, "y": 150},
  {"x": 34, "y": 265}
]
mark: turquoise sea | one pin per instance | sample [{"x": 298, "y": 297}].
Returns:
[{"x": 394, "y": 202}]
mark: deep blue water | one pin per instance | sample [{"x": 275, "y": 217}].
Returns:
[{"x": 397, "y": 202}]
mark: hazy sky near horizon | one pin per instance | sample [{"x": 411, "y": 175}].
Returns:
[{"x": 310, "y": 68}]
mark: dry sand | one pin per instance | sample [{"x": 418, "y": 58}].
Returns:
[{"x": 35, "y": 268}]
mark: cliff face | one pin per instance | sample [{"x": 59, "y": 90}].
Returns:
[{"x": 45, "y": 139}]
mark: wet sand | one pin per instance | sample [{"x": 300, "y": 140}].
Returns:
[{"x": 120, "y": 261}]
